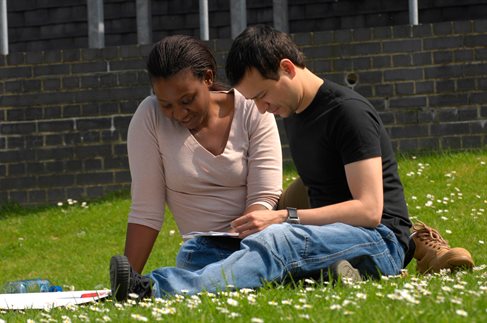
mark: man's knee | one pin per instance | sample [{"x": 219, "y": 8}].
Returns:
[
  {"x": 272, "y": 238},
  {"x": 296, "y": 195},
  {"x": 258, "y": 236}
]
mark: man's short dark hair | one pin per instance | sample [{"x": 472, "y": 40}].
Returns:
[{"x": 261, "y": 47}]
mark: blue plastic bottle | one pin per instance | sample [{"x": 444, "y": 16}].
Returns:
[{"x": 30, "y": 286}]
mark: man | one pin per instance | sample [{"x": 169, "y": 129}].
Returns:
[{"x": 342, "y": 154}]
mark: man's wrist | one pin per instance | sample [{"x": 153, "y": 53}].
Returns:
[{"x": 292, "y": 216}]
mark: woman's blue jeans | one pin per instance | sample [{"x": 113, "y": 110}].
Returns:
[{"x": 280, "y": 252}]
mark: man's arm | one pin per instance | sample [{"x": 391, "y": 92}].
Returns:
[
  {"x": 138, "y": 245},
  {"x": 364, "y": 179}
]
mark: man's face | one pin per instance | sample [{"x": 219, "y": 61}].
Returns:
[{"x": 269, "y": 95}]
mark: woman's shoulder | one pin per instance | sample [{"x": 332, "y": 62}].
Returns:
[
  {"x": 148, "y": 111},
  {"x": 246, "y": 107},
  {"x": 148, "y": 104},
  {"x": 250, "y": 117}
]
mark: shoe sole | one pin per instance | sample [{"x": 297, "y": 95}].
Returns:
[
  {"x": 455, "y": 263},
  {"x": 344, "y": 272},
  {"x": 119, "y": 277}
]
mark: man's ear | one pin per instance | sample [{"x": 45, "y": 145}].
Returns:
[{"x": 288, "y": 67}]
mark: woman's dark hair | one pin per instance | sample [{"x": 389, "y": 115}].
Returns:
[
  {"x": 261, "y": 47},
  {"x": 175, "y": 53}
]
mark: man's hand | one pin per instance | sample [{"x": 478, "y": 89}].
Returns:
[{"x": 256, "y": 221}]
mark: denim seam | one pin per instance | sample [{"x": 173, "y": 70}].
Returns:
[
  {"x": 337, "y": 255},
  {"x": 304, "y": 252},
  {"x": 275, "y": 256}
]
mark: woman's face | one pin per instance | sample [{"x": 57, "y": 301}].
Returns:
[{"x": 184, "y": 98}]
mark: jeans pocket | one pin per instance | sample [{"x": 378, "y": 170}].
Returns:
[
  {"x": 202, "y": 251},
  {"x": 184, "y": 258}
]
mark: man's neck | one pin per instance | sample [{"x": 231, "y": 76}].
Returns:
[{"x": 311, "y": 84}]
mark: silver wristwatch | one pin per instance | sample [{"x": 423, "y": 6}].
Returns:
[{"x": 292, "y": 216}]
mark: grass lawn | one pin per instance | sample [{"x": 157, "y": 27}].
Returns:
[{"x": 71, "y": 245}]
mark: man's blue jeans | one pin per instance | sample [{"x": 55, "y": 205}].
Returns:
[{"x": 279, "y": 252}]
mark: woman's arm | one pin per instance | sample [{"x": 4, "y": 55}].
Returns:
[
  {"x": 264, "y": 160},
  {"x": 138, "y": 245},
  {"x": 148, "y": 184}
]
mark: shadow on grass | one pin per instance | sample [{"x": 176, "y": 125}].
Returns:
[{"x": 14, "y": 209}]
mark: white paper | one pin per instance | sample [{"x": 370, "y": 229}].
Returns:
[
  {"x": 194, "y": 234},
  {"x": 23, "y": 301}
]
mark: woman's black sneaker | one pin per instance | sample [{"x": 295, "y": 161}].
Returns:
[{"x": 125, "y": 281}]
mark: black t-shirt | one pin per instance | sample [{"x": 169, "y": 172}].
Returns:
[{"x": 340, "y": 127}]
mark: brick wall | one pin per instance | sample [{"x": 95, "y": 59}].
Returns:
[
  {"x": 64, "y": 113},
  {"x": 58, "y": 24},
  {"x": 63, "y": 121}
]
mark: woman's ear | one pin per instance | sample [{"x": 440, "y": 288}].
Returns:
[
  {"x": 288, "y": 67},
  {"x": 209, "y": 77}
]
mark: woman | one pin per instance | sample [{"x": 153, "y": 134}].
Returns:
[{"x": 205, "y": 152}]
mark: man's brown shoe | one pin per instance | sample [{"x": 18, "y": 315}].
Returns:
[{"x": 433, "y": 252}]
